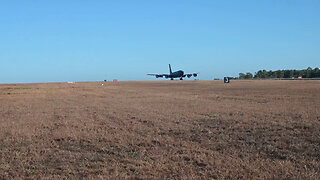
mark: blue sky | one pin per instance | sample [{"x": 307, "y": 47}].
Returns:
[{"x": 82, "y": 40}]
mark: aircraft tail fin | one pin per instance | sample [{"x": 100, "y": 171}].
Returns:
[{"x": 170, "y": 69}]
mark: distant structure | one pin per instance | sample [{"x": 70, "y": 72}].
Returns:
[
  {"x": 115, "y": 80},
  {"x": 226, "y": 80}
]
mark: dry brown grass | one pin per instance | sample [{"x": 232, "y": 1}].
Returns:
[{"x": 161, "y": 130}]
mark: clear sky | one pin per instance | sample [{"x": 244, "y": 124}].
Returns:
[{"x": 89, "y": 40}]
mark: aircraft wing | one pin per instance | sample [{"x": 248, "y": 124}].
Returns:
[
  {"x": 158, "y": 75},
  {"x": 189, "y": 75}
]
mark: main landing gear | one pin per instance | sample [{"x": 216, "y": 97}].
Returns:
[{"x": 181, "y": 79}]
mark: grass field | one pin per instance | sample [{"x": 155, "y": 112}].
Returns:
[{"x": 161, "y": 130}]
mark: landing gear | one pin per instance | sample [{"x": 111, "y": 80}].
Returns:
[
  {"x": 181, "y": 79},
  {"x": 171, "y": 79}
]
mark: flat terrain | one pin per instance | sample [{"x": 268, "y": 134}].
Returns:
[{"x": 161, "y": 130}]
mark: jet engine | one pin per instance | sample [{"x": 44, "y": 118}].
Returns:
[{"x": 195, "y": 75}]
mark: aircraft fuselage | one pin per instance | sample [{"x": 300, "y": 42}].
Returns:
[{"x": 177, "y": 74}]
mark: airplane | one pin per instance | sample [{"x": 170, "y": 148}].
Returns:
[{"x": 178, "y": 74}]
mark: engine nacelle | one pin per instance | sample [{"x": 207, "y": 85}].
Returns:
[
  {"x": 189, "y": 75},
  {"x": 195, "y": 75}
]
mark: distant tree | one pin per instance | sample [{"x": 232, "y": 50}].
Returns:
[
  {"x": 296, "y": 74},
  {"x": 274, "y": 74},
  {"x": 279, "y": 74},
  {"x": 248, "y": 75},
  {"x": 308, "y": 72},
  {"x": 315, "y": 72},
  {"x": 287, "y": 74},
  {"x": 257, "y": 74},
  {"x": 271, "y": 74},
  {"x": 242, "y": 76},
  {"x": 262, "y": 74}
]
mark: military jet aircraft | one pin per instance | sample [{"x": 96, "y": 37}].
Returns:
[{"x": 178, "y": 74}]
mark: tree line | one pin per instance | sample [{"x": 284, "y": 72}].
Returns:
[{"x": 264, "y": 74}]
